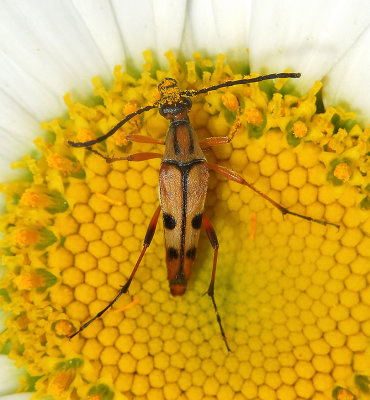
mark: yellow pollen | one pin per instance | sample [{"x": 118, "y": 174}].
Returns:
[
  {"x": 61, "y": 383},
  {"x": 130, "y": 108},
  {"x": 34, "y": 199},
  {"x": 120, "y": 139},
  {"x": 253, "y": 116},
  {"x": 63, "y": 328},
  {"x": 84, "y": 135},
  {"x": 25, "y": 237},
  {"x": 299, "y": 129},
  {"x": 344, "y": 394},
  {"x": 61, "y": 163},
  {"x": 23, "y": 321},
  {"x": 343, "y": 171},
  {"x": 28, "y": 281},
  {"x": 169, "y": 92},
  {"x": 95, "y": 397},
  {"x": 230, "y": 101}
]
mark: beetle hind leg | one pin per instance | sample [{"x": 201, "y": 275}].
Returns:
[
  {"x": 124, "y": 289},
  {"x": 233, "y": 176},
  {"x": 211, "y": 289}
]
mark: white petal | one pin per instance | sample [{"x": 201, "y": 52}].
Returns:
[
  {"x": 52, "y": 42},
  {"x": 215, "y": 27},
  {"x": 45, "y": 50},
  {"x": 101, "y": 21},
  {"x": 305, "y": 36},
  {"x": 17, "y": 396},
  {"x": 348, "y": 81},
  {"x": 169, "y": 23},
  {"x": 18, "y": 128},
  {"x": 153, "y": 25},
  {"x": 9, "y": 376},
  {"x": 135, "y": 22}
]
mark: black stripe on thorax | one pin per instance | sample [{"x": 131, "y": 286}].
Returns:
[{"x": 174, "y": 125}]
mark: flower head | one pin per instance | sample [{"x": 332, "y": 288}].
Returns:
[
  {"x": 285, "y": 291},
  {"x": 292, "y": 294}
]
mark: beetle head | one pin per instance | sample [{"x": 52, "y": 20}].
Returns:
[{"x": 173, "y": 104}]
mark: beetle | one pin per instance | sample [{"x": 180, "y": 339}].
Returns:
[{"x": 183, "y": 182}]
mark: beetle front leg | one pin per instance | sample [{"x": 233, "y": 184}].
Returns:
[{"x": 215, "y": 141}]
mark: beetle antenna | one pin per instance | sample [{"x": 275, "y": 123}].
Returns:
[
  {"x": 114, "y": 129},
  {"x": 241, "y": 82}
]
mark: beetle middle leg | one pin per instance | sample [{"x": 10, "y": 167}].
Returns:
[
  {"x": 211, "y": 289},
  {"x": 233, "y": 176},
  {"x": 131, "y": 157},
  {"x": 148, "y": 238}
]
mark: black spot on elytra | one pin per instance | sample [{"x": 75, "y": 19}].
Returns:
[
  {"x": 196, "y": 222},
  {"x": 172, "y": 253},
  {"x": 191, "y": 253},
  {"x": 169, "y": 221}
]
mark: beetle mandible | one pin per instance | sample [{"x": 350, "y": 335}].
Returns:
[{"x": 183, "y": 181}]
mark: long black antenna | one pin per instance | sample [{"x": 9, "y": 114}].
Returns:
[
  {"x": 183, "y": 93},
  {"x": 113, "y": 130},
  {"x": 241, "y": 82}
]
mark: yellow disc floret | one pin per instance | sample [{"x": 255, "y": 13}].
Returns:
[
  {"x": 253, "y": 116},
  {"x": 342, "y": 171},
  {"x": 299, "y": 129}
]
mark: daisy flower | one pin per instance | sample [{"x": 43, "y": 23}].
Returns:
[{"x": 292, "y": 294}]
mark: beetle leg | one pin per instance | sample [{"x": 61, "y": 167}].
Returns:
[
  {"x": 233, "y": 176},
  {"x": 148, "y": 238},
  {"x": 131, "y": 157},
  {"x": 215, "y": 141},
  {"x": 211, "y": 289}
]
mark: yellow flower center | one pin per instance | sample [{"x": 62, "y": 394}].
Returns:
[
  {"x": 95, "y": 397},
  {"x": 230, "y": 101},
  {"x": 299, "y": 129},
  {"x": 34, "y": 199},
  {"x": 61, "y": 383},
  {"x": 343, "y": 394},
  {"x": 25, "y": 237},
  {"x": 293, "y": 295},
  {"x": 343, "y": 171},
  {"x": 28, "y": 281},
  {"x": 60, "y": 163},
  {"x": 84, "y": 135},
  {"x": 253, "y": 116}
]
